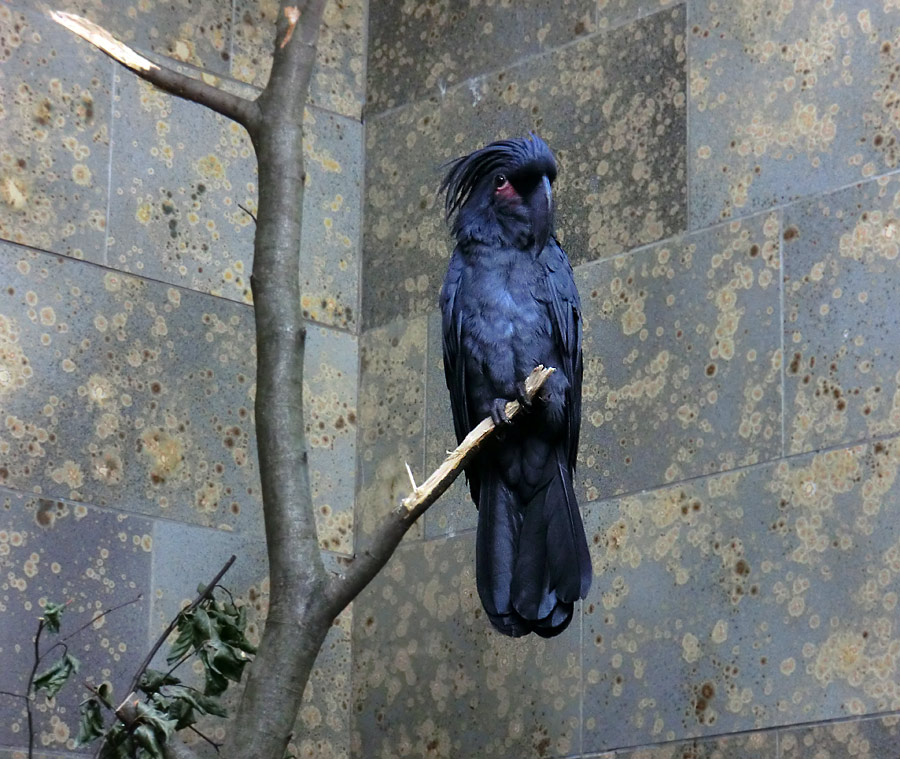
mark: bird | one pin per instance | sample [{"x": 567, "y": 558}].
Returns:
[{"x": 508, "y": 303}]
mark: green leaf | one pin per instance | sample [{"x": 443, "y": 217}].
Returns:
[
  {"x": 183, "y": 642},
  {"x": 52, "y": 613},
  {"x": 152, "y": 680},
  {"x": 229, "y": 661},
  {"x": 215, "y": 683},
  {"x": 90, "y": 727},
  {"x": 202, "y": 628},
  {"x": 145, "y": 736},
  {"x": 200, "y": 702},
  {"x": 148, "y": 714},
  {"x": 57, "y": 676},
  {"x": 182, "y": 712},
  {"x": 117, "y": 744}
]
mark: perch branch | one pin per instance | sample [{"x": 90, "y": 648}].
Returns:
[
  {"x": 342, "y": 590},
  {"x": 241, "y": 110}
]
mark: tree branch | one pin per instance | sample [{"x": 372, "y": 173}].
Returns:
[
  {"x": 343, "y": 589},
  {"x": 298, "y": 619},
  {"x": 245, "y": 112}
]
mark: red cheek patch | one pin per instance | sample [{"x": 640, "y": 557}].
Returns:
[{"x": 507, "y": 191}]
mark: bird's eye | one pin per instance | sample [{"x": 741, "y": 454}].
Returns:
[{"x": 500, "y": 180}]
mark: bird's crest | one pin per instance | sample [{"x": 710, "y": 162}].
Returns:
[{"x": 507, "y": 155}]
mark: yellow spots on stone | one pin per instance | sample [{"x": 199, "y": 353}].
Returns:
[
  {"x": 164, "y": 451},
  {"x": 690, "y": 648},
  {"x": 874, "y": 236},
  {"x": 68, "y": 366},
  {"x": 864, "y": 19},
  {"x": 14, "y": 192},
  {"x": 144, "y": 213},
  {"x": 47, "y": 316},
  {"x": 107, "y": 467},
  {"x": 206, "y": 497},
  {"x": 112, "y": 282},
  {"x": 327, "y": 221},
  {"x": 842, "y": 656},
  {"x": 634, "y": 318},
  {"x": 15, "y": 369},
  {"x": 210, "y": 167},
  {"x": 159, "y": 328},
  {"x": 719, "y": 632},
  {"x": 69, "y": 473},
  {"x": 146, "y": 543},
  {"x": 99, "y": 390},
  {"x": 183, "y": 50},
  {"x": 81, "y": 174}
]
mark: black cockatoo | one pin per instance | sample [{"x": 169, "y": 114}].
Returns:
[{"x": 508, "y": 303}]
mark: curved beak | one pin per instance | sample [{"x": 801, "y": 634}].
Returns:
[{"x": 541, "y": 205}]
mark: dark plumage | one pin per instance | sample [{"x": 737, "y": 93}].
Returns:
[{"x": 509, "y": 303}]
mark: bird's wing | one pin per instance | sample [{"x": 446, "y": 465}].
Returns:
[
  {"x": 454, "y": 366},
  {"x": 454, "y": 370},
  {"x": 565, "y": 312}
]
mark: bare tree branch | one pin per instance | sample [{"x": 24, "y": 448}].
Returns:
[
  {"x": 234, "y": 107},
  {"x": 343, "y": 589}
]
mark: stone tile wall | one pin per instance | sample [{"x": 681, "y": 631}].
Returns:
[
  {"x": 726, "y": 194},
  {"x": 127, "y": 359}
]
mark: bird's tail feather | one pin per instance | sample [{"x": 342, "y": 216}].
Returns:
[
  {"x": 499, "y": 523},
  {"x": 532, "y": 564},
  {"x": 569, "y": 562}
]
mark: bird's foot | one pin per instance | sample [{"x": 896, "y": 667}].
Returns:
[
  {"x": 522, "y": 396},
  {"x": 498, "y": 412}
]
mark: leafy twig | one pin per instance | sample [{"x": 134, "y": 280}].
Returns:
[{"x": 135, "y": 681}]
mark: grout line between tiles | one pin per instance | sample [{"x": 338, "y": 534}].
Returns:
[
  {"x": 109, "y": 157},
  {"x": 783, "y": 326}
]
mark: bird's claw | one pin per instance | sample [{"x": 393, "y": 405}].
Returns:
[
  {"x": 522, "y": 396},
  {"x": 498, "y": 412}
]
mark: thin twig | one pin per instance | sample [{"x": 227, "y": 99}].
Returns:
[
  {"x": 209, "y": 740},
  {"x": 29, "y": 688},
  {"x": 174, "y": 623},
  {"x": 13, "y": 695},
  {"x": 248, "y": 212},
  {"x": 102, "y": 614}
]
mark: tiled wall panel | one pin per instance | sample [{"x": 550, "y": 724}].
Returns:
[
  {"x": 54, "y": 151},
  {"x": 842, "y": 286},
  {"x": 682, "y": 359},
  {"x": 788, "y": 99}
]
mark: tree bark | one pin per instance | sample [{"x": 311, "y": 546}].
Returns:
[{"x": 298, "y": 621}]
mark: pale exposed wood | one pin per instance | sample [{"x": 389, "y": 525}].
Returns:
[
  {"x": 99, "y": 37},
  {"x": 448, "y": 471}
]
